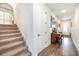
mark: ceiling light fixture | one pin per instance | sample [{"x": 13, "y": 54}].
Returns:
[{"x": 63, "y": 11}]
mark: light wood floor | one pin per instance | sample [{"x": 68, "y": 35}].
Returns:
[{"x": 65, "y": 47}]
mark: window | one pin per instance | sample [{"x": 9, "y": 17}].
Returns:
[
  {"x": 6, "y": 13},
  {"x": 65, "y": 29},
  {"x": 5, "y": 18}
]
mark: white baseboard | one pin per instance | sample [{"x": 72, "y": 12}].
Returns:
[{"x": 75, "y": 44}]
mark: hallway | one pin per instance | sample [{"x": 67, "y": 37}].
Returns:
[
  {"x": 66, "y": 48},
  {"x": 37, "y": 26}
]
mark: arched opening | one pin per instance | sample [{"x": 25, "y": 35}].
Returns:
[{"x": 6, "y": 14}]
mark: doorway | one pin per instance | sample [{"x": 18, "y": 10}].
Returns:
[{"x": 65, "y": 27}]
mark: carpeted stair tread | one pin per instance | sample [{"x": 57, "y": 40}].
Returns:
[
  {"x": 10, "y": 45},
  {"x": 15, "y": 51}
]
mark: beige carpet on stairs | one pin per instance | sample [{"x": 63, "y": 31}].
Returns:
[{"x": 12, "y": 42}]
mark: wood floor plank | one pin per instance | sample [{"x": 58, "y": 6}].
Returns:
[{"x": 64, "y": 48}]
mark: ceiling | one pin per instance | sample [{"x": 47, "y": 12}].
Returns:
[
  {"x": 63, "y": 10},
  {"x": 13, "y": 5}
]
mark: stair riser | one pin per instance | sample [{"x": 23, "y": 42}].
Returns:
[
  {"x": 6, "y": 42},
  {"x": 24, "y": 53},
  {"x": 10, "y": 36},
  {"x": 7, "y": 50},
  {"x": 2, "y": 25},
  {"x": 8, "y": 28},
  {"x": 15, "y": 51},
  {"x": 9, "y": 32},
  {"x": 19, "y": 52}
]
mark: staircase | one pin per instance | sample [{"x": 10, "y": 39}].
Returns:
[{"x": 11, "y": 42}]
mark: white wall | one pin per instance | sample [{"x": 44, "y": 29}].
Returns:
[
  {"x": 34, "y": 19},
  {"x": 75, "y": 28},
  {"x": 24, "y": 20},
  {"x": 41, "y": 22}
]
